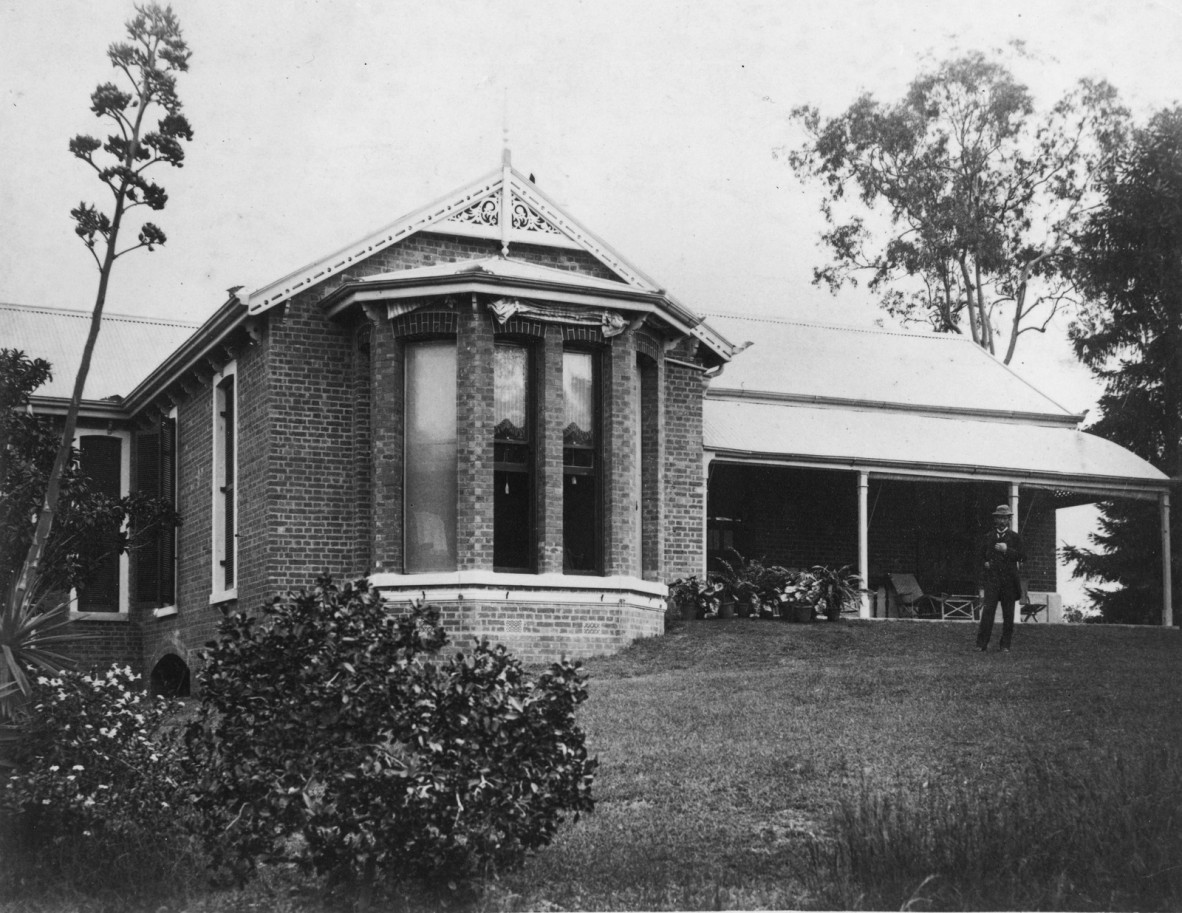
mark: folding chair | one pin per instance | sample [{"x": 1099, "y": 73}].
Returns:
[
  {"x": 956, "y": 606},
  {"x": 910, "y": 597},
  {"x": 1033, "y": 604}
]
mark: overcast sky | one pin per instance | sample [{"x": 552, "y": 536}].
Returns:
[{"x": 656, "y": 123}]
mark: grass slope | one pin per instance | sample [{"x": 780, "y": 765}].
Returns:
[{"x": 731, "y": 750}]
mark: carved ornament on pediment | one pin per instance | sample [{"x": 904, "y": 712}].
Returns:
[
  {"x": 528, "y": 219},
  {"x": 482, "y": 212}
]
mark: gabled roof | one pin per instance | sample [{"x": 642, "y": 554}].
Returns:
[
  {"x": 504, "y": 206},
  {"x": 127, "y": 350},
  {"x": 804, "y": 362}
]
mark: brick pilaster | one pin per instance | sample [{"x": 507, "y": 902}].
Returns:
[
  {"x": 474, "y": 441},
  {"x": 386, "y": 421},
  {"x": 685, "y": 488},
  {"x": 622, "y": 498},
  {"x": 652, "y": 467},
  {"x": 548, "y": 469}
]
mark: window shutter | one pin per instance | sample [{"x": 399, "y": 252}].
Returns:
[
  {"x": 100, "y": 459},
  {"x": 147, "y": 557},
  {"x": 228, "y": 488},
  {"x": 167, "y": 547}
]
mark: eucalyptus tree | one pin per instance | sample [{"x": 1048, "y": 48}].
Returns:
[{"x": 958, "y": 200}]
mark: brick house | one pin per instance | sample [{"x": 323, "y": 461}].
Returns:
[{"x": 485, "y": 406}]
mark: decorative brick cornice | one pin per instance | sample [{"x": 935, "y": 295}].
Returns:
[
  {"x": 519, "y": 326},
  {"x": 647, "y": 344},
  {"x": 426, "y": 322},
  {"x": 587, "y": 334}
]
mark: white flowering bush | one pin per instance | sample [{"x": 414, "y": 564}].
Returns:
[
  {"x": 93, "y": 796},
  {"x": 1087, "y": 615}
]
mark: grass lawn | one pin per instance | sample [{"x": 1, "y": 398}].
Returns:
[
  {"x": 750, "y": 764},
  {"x": 727, "y": 747}
]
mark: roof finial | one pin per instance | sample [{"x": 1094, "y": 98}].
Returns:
[{"x": 505, "y": 155}]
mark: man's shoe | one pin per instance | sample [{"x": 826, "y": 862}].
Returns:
[
  {"x": 1004, "y": 649},
  {"x": 981, "y": 649}
]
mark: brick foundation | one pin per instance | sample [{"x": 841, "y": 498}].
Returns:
[{"x": 540, "y": 619}]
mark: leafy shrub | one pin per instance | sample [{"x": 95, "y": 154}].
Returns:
[
  {"x": 333, "y": 734},
  {"x": 703, "y": 596},
  {"x": 93, "y": 802},
  {"x": 1087, "y": 615},
  {"x": 750, "y": 581},
  {"x": 839, "y": 589}
]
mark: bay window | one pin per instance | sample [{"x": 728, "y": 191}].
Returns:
[
  {"x": 513, "y": 456},
  {"x": 429, "y": 521},
  {"x": 582, "y": 539}
]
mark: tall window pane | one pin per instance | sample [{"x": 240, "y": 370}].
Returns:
[
  {"x": 513, "y": 455},
  {"x": 430, "y": 516},
  {"x": 100, "y": 458},
  {"x": 581, "y": 523}
]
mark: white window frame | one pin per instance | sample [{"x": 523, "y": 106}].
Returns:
[
  {"x": 218, "y": 591},
  {"x": 124, "y": 564},
  {"x": 166, "y": 610}
]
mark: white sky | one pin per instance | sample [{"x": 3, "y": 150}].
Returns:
[{"x": 652, "y": 121}]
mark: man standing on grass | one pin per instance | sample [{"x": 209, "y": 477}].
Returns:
[{"x": 1000, "y": 554}]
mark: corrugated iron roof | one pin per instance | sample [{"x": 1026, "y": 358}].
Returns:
[
  {"x": 809, "y": 360},
  {"x": 887, "y": 438},
  {"x": 127, "y": 350}
]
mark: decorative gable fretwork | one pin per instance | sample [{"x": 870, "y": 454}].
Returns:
[
  {"x": 482, "y": 212},
  {"x": 483, "y": 218},
  {"x": 503, "y": 206},
  {"x": 529, "y": 220}
]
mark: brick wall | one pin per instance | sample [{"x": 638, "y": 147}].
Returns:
[
  {"x": 99, "y": 644},
  {"x": 652, "y": 459},
  {"x": 685, "y": 501},
  {"x": 320, "y": 445},
  {"x": 363, "y": 487},
  {"x": 542, "y": 634},
  {"x": 474, "y": 441},
  {"x": 1037, "y": 526},
  {"x": 552, "y": 412},
  {"x": 386, "y": 423},
  {"x": 255, "y": 432},
  {"x": 620, "y": 398},
  {"x": 311, "y": 519}
]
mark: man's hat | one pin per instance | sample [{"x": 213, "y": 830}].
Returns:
[{"x": 1003, "y": 510}]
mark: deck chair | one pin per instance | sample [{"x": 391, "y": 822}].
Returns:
[
  {"x": 1033, "y": 604},
  {"x": 910, "y": 599},
  {"x": 959, "y": 606}
]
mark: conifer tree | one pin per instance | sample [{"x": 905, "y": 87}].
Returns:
[{"x": 1130, "y": 335}]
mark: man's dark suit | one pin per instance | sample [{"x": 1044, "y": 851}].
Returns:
[{"x": 1002, "y": 584}]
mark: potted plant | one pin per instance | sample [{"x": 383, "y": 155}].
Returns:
[
  {"x": 749, "y": 584},
  {"x": 837, "y": 589},
  {"x": 799, "y": 596},
  {"x": 695, "y": 597}
]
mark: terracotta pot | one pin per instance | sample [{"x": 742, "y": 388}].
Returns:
[
  {"x": 726, "y": 610},
  {"x": 797, "y": 611}
]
